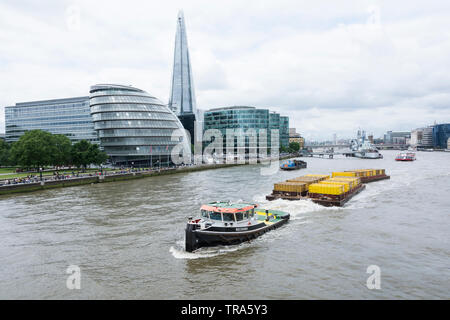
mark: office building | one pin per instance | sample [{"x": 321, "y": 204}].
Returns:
[
  {"x": 245, "y": 118},
  {"x": 134, "y": 127},
  {"x": 441, "y": 135},
  {"x": 70, "y": 117},
  {"x": 182, "y": 97},
  {"x": 396, "y": 137}
]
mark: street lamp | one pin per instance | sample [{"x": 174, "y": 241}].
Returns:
[{"x": 40, "y": 173}]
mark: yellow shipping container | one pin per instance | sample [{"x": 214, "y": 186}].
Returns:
[
  {"x": 346, "y": 185},
  {"x": 354, "y": 181},
  {"x": 320, "y": 176},
  {"x": 379, "y": 171},
  {"x": 352, "y": 184},
  {"x": 364, "y": 172},
  {"x": 323, "y": 188},
  {"x": 307, "y": 180},
  {"x": 344, "y": 174},
  {"x": 290, "y": 187}
]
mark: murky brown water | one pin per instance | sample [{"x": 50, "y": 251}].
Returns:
[{"x": 127, "y": 238}]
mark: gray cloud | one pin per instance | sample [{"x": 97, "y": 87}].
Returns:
[{"x": 331, "y": 67}]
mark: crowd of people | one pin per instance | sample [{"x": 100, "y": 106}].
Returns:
[{"x": 33, "y": 178}]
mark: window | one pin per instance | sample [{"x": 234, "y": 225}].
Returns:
[
  {"x": 215, "y": 215},
  {"x": 204, "y": 214},
  {"x": 239, "y": 216},
  {"x": 228, "y": 217}
]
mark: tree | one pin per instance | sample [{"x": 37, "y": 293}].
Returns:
[
  {"x": 294, "y": 146},
  {"x": 34, "y": 148},
  {"x": 4, "y": 153},
  {"x": 63, "y": 148},
  {"x": 283, "y": 149},
  {"x": 97, "y": 156},
  {"x": 85, "y": 153}
]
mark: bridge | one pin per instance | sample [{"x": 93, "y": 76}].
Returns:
[
  {"x": 337, "y": 146},
  {"x": 330, "y": 153}
]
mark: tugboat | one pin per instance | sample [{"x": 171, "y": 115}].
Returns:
[
  {"x": 226, "y": 223},
  {"x": 293, "y": 165},
  {"x": 408, "y": 156}
]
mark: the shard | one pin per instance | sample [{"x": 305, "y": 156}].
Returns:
[{"x": 182, "y": 96}]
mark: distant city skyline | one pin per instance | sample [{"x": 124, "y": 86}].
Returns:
[{"x": 374, "y": 65}]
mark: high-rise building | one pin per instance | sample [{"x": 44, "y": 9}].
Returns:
[
  {"x": 427, "y": 137},
  {"x": 284, "y": 131},
  {"x": 70, "y": 117},
  {"x": 396, "y": 137},
  {"x": 245, "y": 118},
  {"x": 182, "y": 96},
  {"x": 134, "y": 127},
  {"x": 422, "y": 137},
  {"x": 441, "y": 135}
]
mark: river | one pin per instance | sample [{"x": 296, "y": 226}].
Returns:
[{"x": 127, "y": 238}]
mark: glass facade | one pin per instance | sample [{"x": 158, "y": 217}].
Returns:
[
  {"x": 441, "y": 135},
  {"x": 70, "y": 117},
  {"x": 182, "y": 97},
  {"x": 284, "y": 131},
  {"x": 244, "y": 117},
  {"x": 134, "y": 128}
]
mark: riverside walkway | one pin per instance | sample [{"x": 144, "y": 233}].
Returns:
[{"x": 34, "y": 183}]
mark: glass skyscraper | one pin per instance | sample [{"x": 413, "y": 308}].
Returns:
[
  {"x": 284, "y": 131},
  {"x": 245, "y": 117},
  {"x": 182, "y": 95},
  {"x": 70, "y": 117},
  {"x": 134, "y": 127},
  {"x": 441, "y": 135}
]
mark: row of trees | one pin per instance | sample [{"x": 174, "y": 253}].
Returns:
[{"x": 37, "y": 148}]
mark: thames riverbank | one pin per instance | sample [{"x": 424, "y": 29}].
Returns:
[{"x": 110, "y": 177}]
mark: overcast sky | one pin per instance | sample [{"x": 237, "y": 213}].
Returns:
[{"x": 331, "y": 66}]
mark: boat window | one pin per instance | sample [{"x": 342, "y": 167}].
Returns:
[
  {"x": 228, "y": 217},
  {"x": 215, "y": 215},
  {"x": 204, "y": 214},
  {"x": 246, "y": 215},
  {"x": 239, "y": 216},
  {"x": 252, "y": 213}
]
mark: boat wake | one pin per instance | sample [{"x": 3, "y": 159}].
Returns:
[
  {"x": 178, "y": 251},
  {"x": 297, "y": 209}
]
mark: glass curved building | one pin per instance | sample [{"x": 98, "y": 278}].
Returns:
[{"x": 134, "y": 128}]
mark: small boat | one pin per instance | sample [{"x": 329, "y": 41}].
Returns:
[
  {"x": 406, "y": 156},
  {"x": 293, "y": 165},
  {"x": 226, "y": 223}
]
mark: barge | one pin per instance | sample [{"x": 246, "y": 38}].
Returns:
[
  {"x": 338, "y": 200},
  {"x": 293, "y": 165},
  {"x": 366, "y": 175},
  {"x": 226, "y": 223},
  {"x": 325, "y": 190}
]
